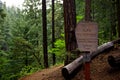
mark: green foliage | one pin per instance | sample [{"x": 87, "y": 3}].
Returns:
[
  {"x": 79, "y": 18},
  {"x": 2, "y": 15},
  {"x": 80, "y": 10},
  {"x": 21, "y": 45},
  {"x": 59, "y": 49},
  {"x": 21, "y": 51},
  {"x": 27, "y": 70},
  {"x": 104, "y": 14}
]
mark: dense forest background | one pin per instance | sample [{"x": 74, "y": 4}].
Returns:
[{"x": 21, "y": 34}]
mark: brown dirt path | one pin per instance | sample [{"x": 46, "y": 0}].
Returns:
[
  {"x": 100, "y": 70},
  {"x": 52, "y": 73}
]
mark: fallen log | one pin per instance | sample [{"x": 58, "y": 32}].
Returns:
[
  {"x": 105, "y": 47},
  {"x": 70, "y": 69},
  {"x": 116, "y": 41},
  {"x": 114, "y": 61}
]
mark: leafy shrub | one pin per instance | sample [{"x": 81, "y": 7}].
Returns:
[
  {"x": 27, "y": 70},
  {"x": 59, "y": 48}
]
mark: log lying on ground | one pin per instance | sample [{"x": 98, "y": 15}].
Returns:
[
  {"x": 70, "y": 69},
  {"x": 116, "y": 41},
  {"x": 105, "y": 47},
  {"x": 114, "y": 61}
]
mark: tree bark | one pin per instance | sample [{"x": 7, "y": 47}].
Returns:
[
  {"x": 26, "y": 59},
  {"x": 53, "y": 33},
  {"x": 87, "y": 10},
  {"x": 44, "y": 19},
  {"x": 69, "y": 26},
  {"x": 118, "y": 16},
  {"x": 113, "y": 19}
]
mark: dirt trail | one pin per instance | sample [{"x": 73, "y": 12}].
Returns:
[
  {"x": 52, "y": 73},
  {"x": 100, "y": 70}
]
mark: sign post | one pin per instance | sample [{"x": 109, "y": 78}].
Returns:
[
  {"x": 87, "y": 40},
  {"x": 87, "y": 65}
]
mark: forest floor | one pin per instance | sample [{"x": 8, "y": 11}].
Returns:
[{"x": 100, "y": 70}]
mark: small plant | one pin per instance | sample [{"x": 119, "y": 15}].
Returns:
[{"x": 27, "y": 70}]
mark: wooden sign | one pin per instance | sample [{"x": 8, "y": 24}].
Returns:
[{"x": 87, "y": 36}]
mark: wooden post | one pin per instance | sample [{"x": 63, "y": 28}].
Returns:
[
  {"x": 87, "y": 60},
  {"x": 87, "y": 71}
]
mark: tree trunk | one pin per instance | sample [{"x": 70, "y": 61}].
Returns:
[
  {"x": 53, "y": 32},
  {"x": 113, "y": 19},
  {"x": 44, "y": 19},
  {"x": 87, "y": 10},
  {"x": 26, "y": 59},
  {"x": 70, "y": 24},
  {"x": 118, "y": 16}
]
